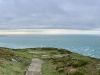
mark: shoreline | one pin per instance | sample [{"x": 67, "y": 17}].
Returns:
[{"x": 48, "y": 47}]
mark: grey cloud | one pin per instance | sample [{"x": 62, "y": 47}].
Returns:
[{"x": 49, "y": 14}]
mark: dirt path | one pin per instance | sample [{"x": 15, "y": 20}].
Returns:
[{"x": 35, "y": 67}]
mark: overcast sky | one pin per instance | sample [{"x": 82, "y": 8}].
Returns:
[{"x": 50, "y": 14}]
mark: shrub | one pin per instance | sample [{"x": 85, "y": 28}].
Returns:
[
  {"x": 53, "y": 52},
  {"x": 80, "y": 63},
  {"x": 59, "y": 66},
  {"x": 61, "y": 70},
  {"x": 63, "y": 51},
  {"x": 76, "y": 72},
  {"x": 99, "y": 71}
]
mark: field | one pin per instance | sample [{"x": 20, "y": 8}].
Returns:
[{"x": 56, "y": 62}]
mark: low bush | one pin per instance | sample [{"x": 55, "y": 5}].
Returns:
[
  {"x": 99, "y": 71},
  {"x": 53, "y": 53},
  {"x": 76, "y": 72},
  {"x": 80, "y": 63}
]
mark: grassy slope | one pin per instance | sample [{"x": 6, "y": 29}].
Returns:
[{"x": 76, "y": 64}]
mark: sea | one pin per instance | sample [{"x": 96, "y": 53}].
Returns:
[{"x": 88, "y": 45}]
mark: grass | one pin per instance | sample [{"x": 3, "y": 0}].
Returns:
[
  {"x": 12, "y": 68},
  {"x": 75, "y": 64},
  {"x": 48, "y": 69}
]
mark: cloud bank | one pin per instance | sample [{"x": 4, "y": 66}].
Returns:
[
  {"x": 50, "y": 14},
  {"x": 49, "y": 31}
]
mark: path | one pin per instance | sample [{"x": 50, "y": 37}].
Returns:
[{"x": 35, "y": 67}]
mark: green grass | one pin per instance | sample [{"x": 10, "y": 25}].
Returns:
[
  {"x": 12, "y": 68},
  {"x": 76, "y": 64},
  {"x": 48, "y": 69}
]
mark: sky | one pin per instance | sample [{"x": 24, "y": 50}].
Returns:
[{"x": 49, "y": 16}]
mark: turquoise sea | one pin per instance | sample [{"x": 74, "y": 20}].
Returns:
[{"x": 88, "y": 45}]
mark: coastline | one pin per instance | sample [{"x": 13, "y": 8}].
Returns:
[{"x": 59, "y": 61}]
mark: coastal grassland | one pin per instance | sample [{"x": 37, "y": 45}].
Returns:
[
  {"x": 12, "y": 63},
  {"x": 57, "y": 62},
  {"x": 73, "y": 64}
]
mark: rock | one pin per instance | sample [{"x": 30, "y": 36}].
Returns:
[{"x": 14, "y": 60}]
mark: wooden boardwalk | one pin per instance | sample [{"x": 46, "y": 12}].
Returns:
[{"x": 35, "y": 67}]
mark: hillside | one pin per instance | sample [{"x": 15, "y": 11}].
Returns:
[{"x": 56, "y": 62}]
